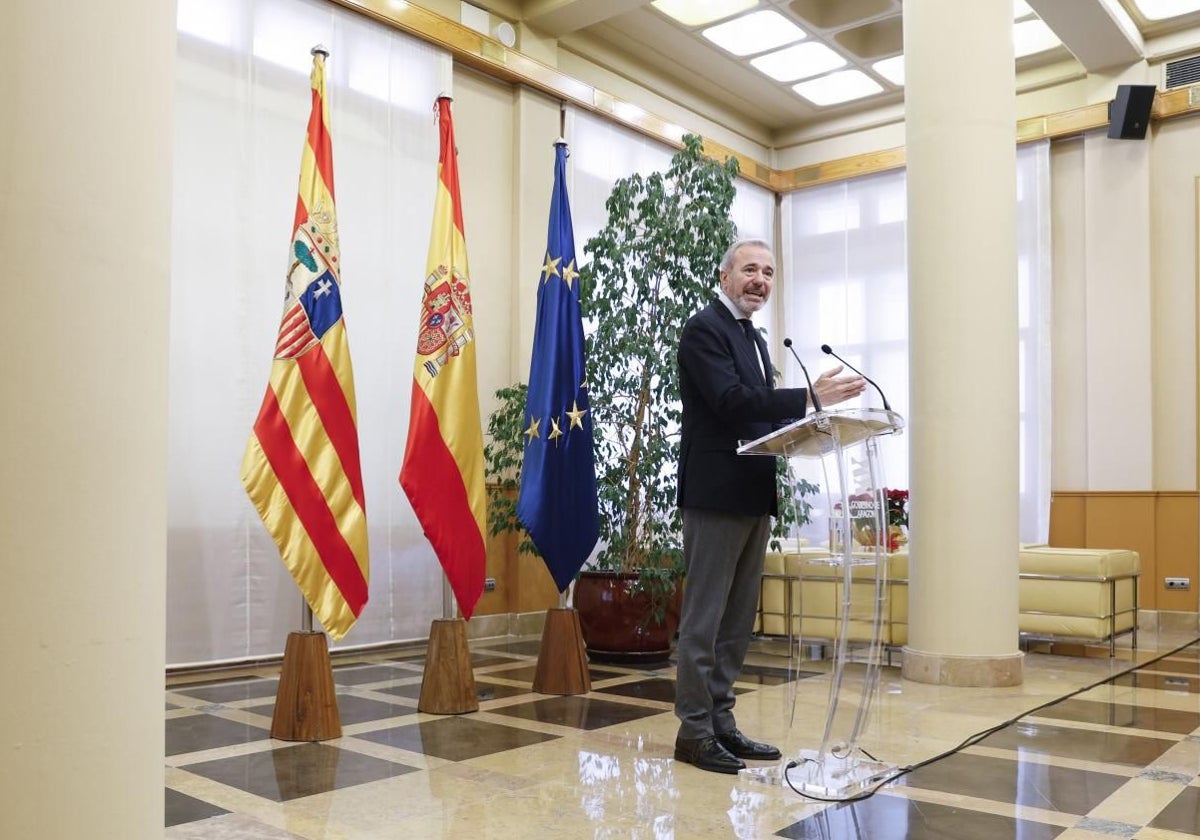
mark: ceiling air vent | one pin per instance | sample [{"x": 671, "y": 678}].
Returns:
[{"x": 1182, "y": 72}]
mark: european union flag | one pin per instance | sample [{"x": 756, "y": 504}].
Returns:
[{"x": 557, "y": 504}]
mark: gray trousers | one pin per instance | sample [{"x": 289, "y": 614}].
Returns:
[{"x": 724, "y": 554}]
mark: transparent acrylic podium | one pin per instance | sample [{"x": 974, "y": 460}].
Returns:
[{"x": 846, "y": 443}]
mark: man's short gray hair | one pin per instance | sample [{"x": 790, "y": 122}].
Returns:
[{"x": 727, "y": 260}]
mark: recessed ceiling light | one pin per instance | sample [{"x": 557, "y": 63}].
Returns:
[
  {"x": 1160, "y": 9},
  {"x": 891, "y": 69},
  {"x": 754, "y": 33},
  {"x": 838, "y": 87},
  {"x": 1021, "y": 9},
  {"x": 1033, "y": 36},
  {"x": 798, "y": 62},
  {"x": 700, "y": 12}
]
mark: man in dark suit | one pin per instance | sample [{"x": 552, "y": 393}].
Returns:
[{"x": 727, "y": 500}]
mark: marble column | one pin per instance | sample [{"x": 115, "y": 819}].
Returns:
[
  {"x": 85, "y": 192},
  {"x": 960, "y": 104}
]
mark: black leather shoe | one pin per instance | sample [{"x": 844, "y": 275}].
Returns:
[
  {"x": 707, "y": 754},
  {"x": 739, "y": 745}
]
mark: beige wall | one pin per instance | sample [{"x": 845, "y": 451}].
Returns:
[
  {"x": 1174, "y": 174},
  {"x": 505, "y": 136},
  {"x": 483, "y": 131},
  {"x": 1124, "y": 336}
]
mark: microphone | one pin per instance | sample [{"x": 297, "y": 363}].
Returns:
[
  {"x": 816, "y": 401},
  {"x": 825, "y": 348}
]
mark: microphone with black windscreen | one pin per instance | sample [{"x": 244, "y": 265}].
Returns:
[
  {"x": 825, "y": 348},
  {"x": 816, "y": 401}
]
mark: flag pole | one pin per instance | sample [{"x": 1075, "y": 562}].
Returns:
[
  {"x": 445, "y": 427},
  {"x": 306, "y": 702},
  {"x": 562, "y": 666}
]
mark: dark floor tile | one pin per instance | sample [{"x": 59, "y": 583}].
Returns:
[
  {"x": 579, "y": 712},
  {"x": 496, "y": 691},
  {"x": 363, "y": 674},
  {"x": 653, "y": 665},
  {"x": 1017, "y": 782},
  {"x": 529, "y": 647},
  {"x": 1085, "y": 744},
  {"x": 1121, "y": 714},
  {"x": 227, "y": 691},
  {"x": 769, "y": 675},
  {"x": 478, "y": 660},
  {"x": 352, "y": 709},
  {"x": 652, "y": 689},
  {"x": 883, "y": 817},
  {"x": 182, "y": 808},
  {"x": 292, "y": 772},
  {"x": 456, "y": 738},
  {"x": 526, "y": 673},
  {"x": 1160, "y": 682},
  {"x": 1182, "y": 814},
  {"x": 483, "y": 690},
  {"x": 192, "y": 733}
]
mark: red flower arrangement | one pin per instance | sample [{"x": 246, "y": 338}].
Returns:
[
  {"x": 897, "y": 507},
  {"x": 897, "y": 517},
  {"x": 862, "y": 519}
]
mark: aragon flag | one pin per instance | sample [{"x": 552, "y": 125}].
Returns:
[
  {"x": 557, "y": 504},
  {"x": 301, "y": 468},
  {"x": 442, "y": 472}
]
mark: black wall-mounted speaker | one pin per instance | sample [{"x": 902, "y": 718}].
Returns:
[{"x": 1129, "y": 112}]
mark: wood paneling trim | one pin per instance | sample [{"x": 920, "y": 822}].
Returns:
[
  {"x": 493, "y": 58},
  {"x": 1162, "y": 526}
]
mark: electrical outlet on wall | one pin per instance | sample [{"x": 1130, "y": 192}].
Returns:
[{"x": 1178, "y": 583}]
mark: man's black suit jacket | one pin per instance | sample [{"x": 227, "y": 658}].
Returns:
[{"x": 726, "y": 400}]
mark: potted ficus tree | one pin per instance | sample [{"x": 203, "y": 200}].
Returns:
[{"x": 654, "y": 264}]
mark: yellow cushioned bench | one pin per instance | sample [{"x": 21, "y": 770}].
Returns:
[
  {"x": 1064, "y": 593},
  {"x": 804, "y": 584},
  {"x": 1080, "y": 593}
]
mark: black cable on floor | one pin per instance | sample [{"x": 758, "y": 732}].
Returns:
[{"x": 970, "y": 740}]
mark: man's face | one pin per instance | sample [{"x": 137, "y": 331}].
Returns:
[{"x": 748, "y": 281}]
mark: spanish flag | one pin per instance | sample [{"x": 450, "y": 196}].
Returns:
[
  {"x": 301, "y": 467},
  {"x": 443, "y": 459}
]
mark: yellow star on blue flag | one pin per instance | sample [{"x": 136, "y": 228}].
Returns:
[{"x": 557, "y": 503}]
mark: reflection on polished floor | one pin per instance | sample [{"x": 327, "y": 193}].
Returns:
[{"x": 1119, "y": 759}]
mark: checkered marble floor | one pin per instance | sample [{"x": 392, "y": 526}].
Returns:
[{"x": 1119, "y": 759}]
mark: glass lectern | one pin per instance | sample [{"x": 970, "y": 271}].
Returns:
[{"x": 846, "y": 443}]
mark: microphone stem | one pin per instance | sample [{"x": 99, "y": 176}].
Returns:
[{"x": 812, "y": 392}]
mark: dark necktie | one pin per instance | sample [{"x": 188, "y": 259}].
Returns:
[{"x": 752, "y": 337}]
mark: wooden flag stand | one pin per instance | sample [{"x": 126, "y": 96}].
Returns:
[
  {"x": 448, "y": 686},
  {"x": 562, "y": 666},
  {"x": 305, "y": 704}
]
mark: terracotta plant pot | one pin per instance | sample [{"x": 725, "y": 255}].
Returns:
[{"x": 617, "y": 621}]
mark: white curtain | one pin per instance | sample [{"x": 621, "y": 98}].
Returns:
[
  {"x": 847, "y": 287},
  {"x": 603, "y": 152},
  {"x": 242, "y": 104}
]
